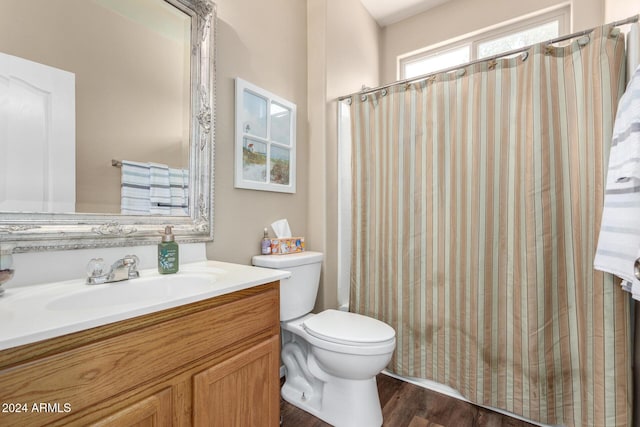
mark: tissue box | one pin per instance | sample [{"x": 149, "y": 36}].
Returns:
[{"x": 287, "y": 245}]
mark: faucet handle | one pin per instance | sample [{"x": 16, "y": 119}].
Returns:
[
  {"x": 97, "y": 271},
  {"x": 131, "y": 262}
]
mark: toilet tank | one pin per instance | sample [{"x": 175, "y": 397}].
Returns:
[{"x": 297, "y": 293}]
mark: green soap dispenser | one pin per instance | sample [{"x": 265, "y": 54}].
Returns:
[{"x": 168, "y": 261}]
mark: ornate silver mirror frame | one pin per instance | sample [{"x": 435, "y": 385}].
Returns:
[{"x": 50, "y": 231}]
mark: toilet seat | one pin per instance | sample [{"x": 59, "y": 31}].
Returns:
[{"x": 349, "y": 329}]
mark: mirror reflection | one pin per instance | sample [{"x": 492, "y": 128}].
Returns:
[{"x": 94, "y": 107}]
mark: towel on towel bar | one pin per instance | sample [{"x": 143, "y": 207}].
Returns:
[
  {"x": 179, "y": 183},
  {"x": 159, "y": 189},
  {"x": 134, "y": 188},
  {"x": 153, "y": 189},
  {"x": 619, "y": 241}
]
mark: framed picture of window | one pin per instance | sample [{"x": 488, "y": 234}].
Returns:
[{"x": 265, "y": 140}]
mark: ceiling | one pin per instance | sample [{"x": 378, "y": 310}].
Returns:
[{"x": 387, "y": 12}]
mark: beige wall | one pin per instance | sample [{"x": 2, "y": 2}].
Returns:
[
  {"x": 343, "y": 55},
  {"x": 458, "y": 17},
  {"x": 265, "y": 43},
  {"x": 615, "y": 10}
]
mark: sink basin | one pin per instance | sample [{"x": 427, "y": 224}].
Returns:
[
  {"x": 145, "y": 291},
  {"x": 5, "y": 316}
]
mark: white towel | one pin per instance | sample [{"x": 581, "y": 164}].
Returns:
[
  {"x": 134, "y": 188},
  {"x": 619, "y": 241},
  {"x": 624, "y": 159}
]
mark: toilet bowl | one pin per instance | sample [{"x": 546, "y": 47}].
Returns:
[
  {"x": 331, "y": 358},
  {"x": 349, "y": 345}
]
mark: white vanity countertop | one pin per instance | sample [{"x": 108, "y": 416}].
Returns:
[{"x": 33, "y": 313}]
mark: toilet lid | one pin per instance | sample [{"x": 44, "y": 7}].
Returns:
[{"x": 343, "y": 327}]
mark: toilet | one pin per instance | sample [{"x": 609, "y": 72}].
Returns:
[{"x": 331, "y": 358}]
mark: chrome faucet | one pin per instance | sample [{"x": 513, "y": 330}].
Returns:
[{"x": 123, "y": 269}]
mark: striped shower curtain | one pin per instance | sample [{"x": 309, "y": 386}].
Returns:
[{"x": 476, "y": 199}]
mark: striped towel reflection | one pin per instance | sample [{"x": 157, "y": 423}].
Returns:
[
  {"x": 619, "y": 241},
  {"x": 159, "y": 191},
  {"x": 153, "y": 189},
  {"x": 134, "y": 189}
]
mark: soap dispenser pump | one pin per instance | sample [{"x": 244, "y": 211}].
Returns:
[{"x": 168, "y": 261}]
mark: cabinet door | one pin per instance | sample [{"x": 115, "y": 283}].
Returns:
[
  {"x": 154, "y": 411},
  {"x": 242, "y": 391}
]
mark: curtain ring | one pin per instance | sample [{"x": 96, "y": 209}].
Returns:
[
  {"x": 584, "y": 40},
  {"x": 363, "y": 98},
  {"x": 384, "y": 92},
  {"x": 492, "y": 64},
  {"x": 407, "y": 86},
  {"x": 524, "y": 56},
  {"x": 615, "y": 32},
  {"x": 348, "y": 101},
  {"x": 549, "y": 50},
  {"x": 461, "y": 72}
]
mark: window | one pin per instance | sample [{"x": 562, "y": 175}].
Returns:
[
  {"x": 437, "y": 61},
  {"x": 490, "y": 42},
  {"x": 265, "y": 140},
  {"x": 518, "y": 39}
]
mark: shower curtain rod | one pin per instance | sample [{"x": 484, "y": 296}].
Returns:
[{"x": 367, "y": 91}]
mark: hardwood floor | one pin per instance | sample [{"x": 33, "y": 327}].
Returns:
[{"x": 407, "y": 405}]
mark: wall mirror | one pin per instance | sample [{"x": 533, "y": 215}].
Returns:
[{"x": 106, "y": 122}]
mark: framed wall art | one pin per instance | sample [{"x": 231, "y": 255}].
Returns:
[{"x": 265, "y": 140}]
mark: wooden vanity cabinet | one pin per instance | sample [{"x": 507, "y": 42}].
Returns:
[
  {"x": 210, "y": 363},
  {"x": 155, "y": 410}
]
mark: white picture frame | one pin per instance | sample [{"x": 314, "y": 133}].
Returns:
[{"x": 265, "y": 140}]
